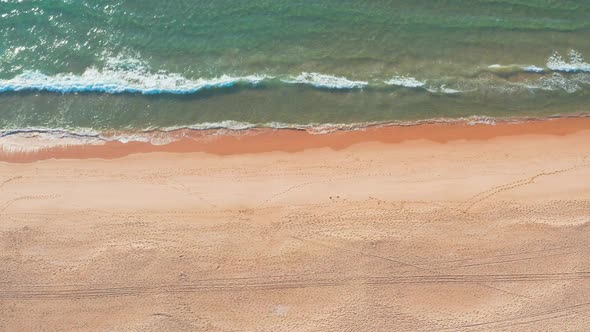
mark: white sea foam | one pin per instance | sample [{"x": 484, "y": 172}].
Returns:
[
  {"x": 405, "y": 81},
  {"x": 443, "y": 89},
  {"x": 325, "y": 81},
  {"x": 576, "y": 62},
  {"x": 475, "y": 120},
  {"x": 120, "y": 81},
  {"x": 140, "y": 80},
  {"x": 533, "y": 69},
  {"x": 582, "y": 78},
  {"x": 515, "y": 68},
  {"x": 502, "y": 67},
  {"x": 557, "y": 82},
  {"x": 122, "y": 74},
  {"x": 127, "y": 74},
  {"x": 227, "y": 124}
]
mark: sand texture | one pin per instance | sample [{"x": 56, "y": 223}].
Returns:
[{"x": 417, "y": 235}]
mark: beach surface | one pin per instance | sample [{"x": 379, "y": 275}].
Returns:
[{"x": 431, "y": 227}]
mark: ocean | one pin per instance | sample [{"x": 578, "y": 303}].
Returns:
[{"x": 105, "y": 65}]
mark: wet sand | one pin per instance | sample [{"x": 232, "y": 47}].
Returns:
[
  {"x": 431, "y": 228},
  {"x": 227, "y": 142}
]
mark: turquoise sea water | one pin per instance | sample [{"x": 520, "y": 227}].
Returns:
[{"x": 142, "y": 64}]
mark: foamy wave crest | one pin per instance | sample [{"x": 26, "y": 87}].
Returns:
[
  {"x": 405, "y": 81},
  {"x": 119, "y": 81},
  {"x": 533, "y": 69},
  {"x": 497, "y": 68},
  {"x": 576, "y": 62},
  {"x": 411, "y": 82},
  {"x": 443, "y": 89},
  {"x": 325, "y": 81}
]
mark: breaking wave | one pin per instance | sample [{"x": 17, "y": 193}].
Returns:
[
  {"x": 93, "y": 80},
  {"x": 497, "y": 68},
  {"x": 325, "y": 81},
  {"x": 133, "y": 76},
  {"x": 405, "y": 81},
  {"x": 576, "y": 62}
]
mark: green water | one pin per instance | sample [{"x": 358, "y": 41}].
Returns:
[{"x": 63, "y": 63}]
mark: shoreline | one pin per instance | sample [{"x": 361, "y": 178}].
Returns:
[{"x": 262, "y": 140}]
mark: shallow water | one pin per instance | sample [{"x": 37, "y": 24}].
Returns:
[{"x": 136, "y": 65}]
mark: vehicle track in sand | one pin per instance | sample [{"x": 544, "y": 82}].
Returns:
[{"x": 44, "y": 292}]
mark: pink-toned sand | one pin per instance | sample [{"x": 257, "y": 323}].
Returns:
[{"x": 423, "y": 228}]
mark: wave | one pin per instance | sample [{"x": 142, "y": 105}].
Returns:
[
  {"x": 553, "y": 82},
  {"x": 555, "y": 63},
  {"x": 576, "y": 62},
  {"x": 325, "y": 81},
  {"x": 508, "y": 69},
  {"x": 130, "y": 75},
  {"x": 533, "y": 69},
  {"x": 108, "y": 81},
  {"x": 405, "y": 81},
  {"x": 444, "y": 90},
  {"x": 119, "y": 81},
  {"x": 95, "y": 81},
  {"x": 411, "y": 82},
  {"x": 140, "y": 82}
]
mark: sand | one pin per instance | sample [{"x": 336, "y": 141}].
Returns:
[{"x": 471, "y": 228}]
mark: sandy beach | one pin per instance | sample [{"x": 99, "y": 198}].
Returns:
[{"x": 432, "y": 228}]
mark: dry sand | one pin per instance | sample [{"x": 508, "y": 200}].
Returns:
[{"x": 466, "y": 233}]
